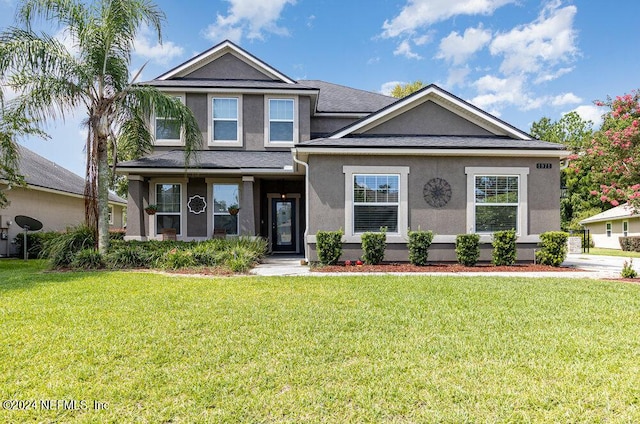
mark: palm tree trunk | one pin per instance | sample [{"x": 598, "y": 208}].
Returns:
[{"x": 103, "y": 195}]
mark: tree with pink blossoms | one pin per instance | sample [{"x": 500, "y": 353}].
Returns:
[{"x": 613, "y": 156}]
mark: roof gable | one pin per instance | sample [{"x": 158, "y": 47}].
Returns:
[
  {"x": 483, "y": 121},
  {"x": 228, "y": 53}
]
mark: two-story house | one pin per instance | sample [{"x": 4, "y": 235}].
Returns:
[{"x": 284, "y": 159}]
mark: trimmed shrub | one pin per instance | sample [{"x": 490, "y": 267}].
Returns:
[
  {"x": 553, "y": 248},
  {"x": 87, "y": 259},
  {"x": 630, "y": 243},
  {"x": 468, "y": 249},
  {"x": 373, "y": 247},
  {"x": 60, "y": 250},
  {"x": 329, "y": 245},
  {"x": 504, "y": 247},
  {"x": 419, "y": 243}
]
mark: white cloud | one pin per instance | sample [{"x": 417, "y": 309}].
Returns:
[
  {"x": 422, "y": 13},
  {"x": 551, "y": 75},
  {"x": 248, "y": 18},
  {"x": 565, "y": 99},
  {"x": 404, "y": 49},
  {"x": 457, "y": 76},
  {"x": 534, "y": 47},
  {"x": 152, "y": 50},
  {"x": 387, "y": 87},
  {"x": 590, "y": 113},
  {"x": 68, "y": 41},
  {"x": 457, "y": 48},
  {"x": 496, "y": 92}
]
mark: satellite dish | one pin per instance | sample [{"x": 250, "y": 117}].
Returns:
[{"x": 27, "y": 224}]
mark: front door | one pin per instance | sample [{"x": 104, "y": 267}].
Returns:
[{"x": 283, "y": 225}]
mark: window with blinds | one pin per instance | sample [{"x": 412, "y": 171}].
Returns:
[
  {"x": 496, "y": 203},
  {"x": 375, "y": 202}
]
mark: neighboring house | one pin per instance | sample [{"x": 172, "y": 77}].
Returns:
[
  {"x": 299, "y": 157},
  {"x": 607, "y": 227},
  {"x": 53, "y": 196}
]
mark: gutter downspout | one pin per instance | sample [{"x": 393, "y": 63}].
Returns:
[{"x": 306, "y": 203}]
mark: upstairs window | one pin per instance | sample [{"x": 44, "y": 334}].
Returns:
[
  {"x": 225, "y": 119},
  {"x": 168, "y": 130},
  {"x": 281, "y": 115}
]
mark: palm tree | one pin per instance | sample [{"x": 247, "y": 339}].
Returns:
[{"x": 53, "y": 82}]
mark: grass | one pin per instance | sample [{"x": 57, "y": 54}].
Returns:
[
  {"x": 158, "y": 348},
  {"x": 612, "y": 252}
]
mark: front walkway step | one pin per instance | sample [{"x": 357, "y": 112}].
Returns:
[{"x": 281, "y": 266}]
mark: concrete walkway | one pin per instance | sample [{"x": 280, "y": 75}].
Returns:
[{"x": 587, "y": 266}]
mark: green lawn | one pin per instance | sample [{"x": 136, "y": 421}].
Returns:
[
  {"x": 157, "y": 348},
  {"x": 613, "y": 252}
]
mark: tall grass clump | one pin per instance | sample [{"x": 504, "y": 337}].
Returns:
[{"x": 61, "y": 250}]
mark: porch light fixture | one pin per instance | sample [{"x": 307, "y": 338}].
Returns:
[{"x": 283, "y": 196}]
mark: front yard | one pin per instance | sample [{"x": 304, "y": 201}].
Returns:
[{"x": 148, "y": 347}]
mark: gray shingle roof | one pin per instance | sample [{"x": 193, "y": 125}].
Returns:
[
  {"x": 214, "y": 159},
  {"x": 431, "y": 142},
  {"x": 41, "y": 172},
  {"x": 338, "y": 98}
]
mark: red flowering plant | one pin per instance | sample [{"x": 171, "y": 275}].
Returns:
[{"x": 613, "y": 157}]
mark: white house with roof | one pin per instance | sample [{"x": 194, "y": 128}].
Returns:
[
  {"x": 607, "y": 227},
  {"x": 53, "y": 195}
]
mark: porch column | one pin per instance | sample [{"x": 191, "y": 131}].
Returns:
[
  {"x": 247, "y": 211},
  {"x": 137, "y": 200}
]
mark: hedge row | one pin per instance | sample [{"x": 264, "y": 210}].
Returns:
[{"x": 553, "y": 247}]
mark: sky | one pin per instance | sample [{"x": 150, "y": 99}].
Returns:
[{"x": 520, "y": 60}]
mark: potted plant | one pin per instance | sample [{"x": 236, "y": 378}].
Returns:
[
  {"x": 151, "y": 209},
  {"x": 233, "y": 209}
]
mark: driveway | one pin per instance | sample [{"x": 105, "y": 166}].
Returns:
[{"x": 610, "y": 265}]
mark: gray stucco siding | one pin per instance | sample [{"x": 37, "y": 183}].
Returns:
[
  {"x": 196, "y": 223},
  {"x": 197, "y": 102},
  {"x": 227, "y": 67},
  {"x": 327, "y": 192},
  {"x": 253, "y": 121},
  {"x": 429, "y": 119},
  {"x": 326, "y": 125}
]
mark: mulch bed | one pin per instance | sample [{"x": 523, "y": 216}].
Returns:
[{"x": 402, "y": 267}]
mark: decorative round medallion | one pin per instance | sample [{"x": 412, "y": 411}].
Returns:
[
  {"x": 197, "y": 204},
  {"x": 437, "y": 192}
]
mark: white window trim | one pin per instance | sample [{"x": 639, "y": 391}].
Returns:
[
  {"x": 213, "y": 211},
  {"x": 183, "y": 204},
  {"x": 523, "y": 206},
  {"x": 239, "y": 137},
  {"x": 625, "y": 233},
  {"x": 267, "y": 127},
  {"x": 403, "y": 209},
  {"x": 608, "y": 229},
  {"x": 111, "y": 212},
  {"x": 169, "y": 141}
]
